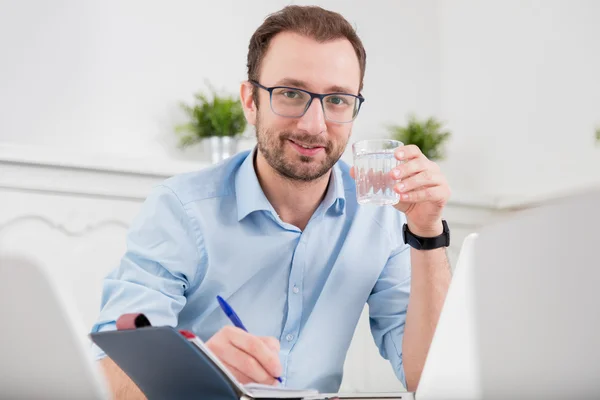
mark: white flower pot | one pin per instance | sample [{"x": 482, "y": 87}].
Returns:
[{"x": 220, "y": 148}]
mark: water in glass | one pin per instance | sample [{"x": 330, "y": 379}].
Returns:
[{"x": 374, "y": 184}]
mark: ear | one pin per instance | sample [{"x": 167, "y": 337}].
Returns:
[{"x": 248, "y": 102}]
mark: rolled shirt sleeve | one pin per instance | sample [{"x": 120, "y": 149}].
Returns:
[
  {"x": 388, "y": 303},
  {"x": 161, "y": 261}
]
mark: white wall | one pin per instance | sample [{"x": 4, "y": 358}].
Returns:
[
  {"x": 520, "y": 87},
  {"x": 515, "y": 80},
  {"x": 108, "y": 76}
]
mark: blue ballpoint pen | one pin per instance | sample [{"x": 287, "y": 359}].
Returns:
[{"x": 233, "y": 317}]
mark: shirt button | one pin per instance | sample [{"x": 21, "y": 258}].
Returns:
[
  {"x": 289, "y": 337},
  {"x": 296, "y": 289}
]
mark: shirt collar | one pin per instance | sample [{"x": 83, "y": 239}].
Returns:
[
  {"x": 335, "y": 198},
  {"x": 248, "y": 192},
  {"x": 250, "y": 196}
]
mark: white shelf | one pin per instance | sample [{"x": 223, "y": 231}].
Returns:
[
  {"x": 46, "y": 170},
  {"x": 57, "y": 158}
]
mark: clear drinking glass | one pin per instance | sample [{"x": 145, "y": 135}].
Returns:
[{"x": 373, "y": 161}]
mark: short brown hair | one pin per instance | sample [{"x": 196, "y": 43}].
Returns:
[{"x": 311, "y": 21}]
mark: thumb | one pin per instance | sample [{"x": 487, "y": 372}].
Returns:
[
  {"x": 352, "y": 174},
  {"x": 271, "y": 343}
]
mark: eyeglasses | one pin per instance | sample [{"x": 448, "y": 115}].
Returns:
[{"x": 293, "y": 102}]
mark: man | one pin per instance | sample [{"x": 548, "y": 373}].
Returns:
[{"x": 278, "y": 233}]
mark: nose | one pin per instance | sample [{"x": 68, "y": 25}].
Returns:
[{"x": 313, "y": 121}]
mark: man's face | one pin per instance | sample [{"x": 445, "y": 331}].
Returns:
[{"x": 300, "y": 62}]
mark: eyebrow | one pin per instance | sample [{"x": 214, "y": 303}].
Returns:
[{"x": 302, "y": 85}]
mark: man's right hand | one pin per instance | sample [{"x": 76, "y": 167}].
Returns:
[{"x": 251, "y": 359}]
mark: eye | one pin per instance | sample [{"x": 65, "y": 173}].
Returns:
[
  {"x": 338, "y": 100},
  {"x": 290, "y": 94}
]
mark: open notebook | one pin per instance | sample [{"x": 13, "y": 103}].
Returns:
[{"x": 166, "y": 363}]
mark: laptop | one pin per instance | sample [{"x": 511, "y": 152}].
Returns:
[
  {"x": 537, "y": 304},
  {"x": 43, "y": 350},
  {"x": 522, "y": 318},
  {"x": 451, "y": 368}
]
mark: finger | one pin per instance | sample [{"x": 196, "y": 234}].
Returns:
[
  {"x": 407, "y": 152},
  {"x": 410, "y": 168},
  {"x": 258, "y": 350},
  {"x": 352, "y": 173},
  {"x": 239, "y": 375},
  {"x": 244, "y": 363},
  {"x": 271, "y": 343},
  {"x": 425, "y": 178},
  {"x": 430, "y": 194},
  {"x": 249, "y": 367}
]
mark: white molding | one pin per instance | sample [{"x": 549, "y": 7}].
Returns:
[{"x": 66, "y": 228}]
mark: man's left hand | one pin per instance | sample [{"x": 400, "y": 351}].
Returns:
[{"x": 423, "y": 191}]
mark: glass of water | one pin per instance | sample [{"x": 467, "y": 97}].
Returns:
[{"x": 373, "y": 161}]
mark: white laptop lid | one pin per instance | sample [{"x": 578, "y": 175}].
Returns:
[
  {"x": 451, "y": 370},
  {"x": 537, "y": 284},
  {"x": 43, "y": 349}
]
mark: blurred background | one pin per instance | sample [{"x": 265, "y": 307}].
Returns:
[
  {"x": 515, "y": 81},
  {"x": 91, "y": 93}
]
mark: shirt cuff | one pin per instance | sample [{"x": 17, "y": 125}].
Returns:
[{"x": 97, "y": 352}]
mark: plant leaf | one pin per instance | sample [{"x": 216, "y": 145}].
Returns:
[
  {"x": 425, "y": 134},
  {"x": 218, "y": 115}
]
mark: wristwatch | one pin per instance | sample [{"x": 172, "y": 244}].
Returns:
[{"x": 427, "y": 243}]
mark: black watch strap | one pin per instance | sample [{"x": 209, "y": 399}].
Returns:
[{"x": 427, "y": 243}]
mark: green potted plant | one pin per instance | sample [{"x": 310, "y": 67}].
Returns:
[
  {"x": 427, "y": 134},
  {"x": 217, "y": 120}
]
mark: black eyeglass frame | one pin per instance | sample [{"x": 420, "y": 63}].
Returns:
[{"x": 313, "y": 96}]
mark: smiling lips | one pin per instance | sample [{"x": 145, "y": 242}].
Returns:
[{"x": 306, "y": 150}]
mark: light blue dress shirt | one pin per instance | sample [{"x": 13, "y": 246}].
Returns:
[{"x": 214, "y": 232}]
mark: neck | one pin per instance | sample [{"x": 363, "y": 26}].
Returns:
[{"x": 294, "y": 201}]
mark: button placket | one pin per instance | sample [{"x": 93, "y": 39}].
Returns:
[{"x": 292, "y": 323}]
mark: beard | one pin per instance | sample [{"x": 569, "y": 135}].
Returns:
[{"x": 273, "y": 146}]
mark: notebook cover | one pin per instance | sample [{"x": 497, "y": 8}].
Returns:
[{"x": 165, "y": 365}]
